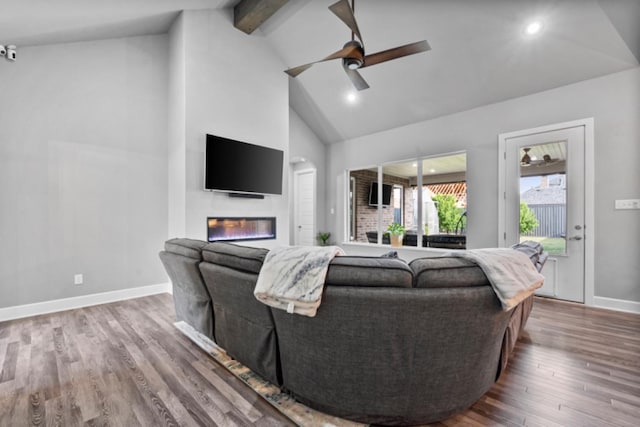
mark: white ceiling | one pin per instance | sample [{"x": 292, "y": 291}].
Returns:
[
  {"x": 37, "y": 22},
  {"x": 442, "y": 165},
  {"x": 479, "y": 54}
]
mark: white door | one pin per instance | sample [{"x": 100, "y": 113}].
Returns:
[
  {"x": 544, "y": 201},
  {"x": 304, "y": 207}
]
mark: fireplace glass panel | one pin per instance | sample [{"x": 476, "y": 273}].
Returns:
[{"x": 235, "y": 229}]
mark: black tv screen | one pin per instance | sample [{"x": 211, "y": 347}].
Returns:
[
  {"x": 239, "y": 167},
  {"x": 386, "y": 194}
]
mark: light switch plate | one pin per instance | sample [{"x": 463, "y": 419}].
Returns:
[{"x": 628, "y": 204}]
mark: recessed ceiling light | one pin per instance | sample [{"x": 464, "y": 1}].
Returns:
[
  {"x": 415, "y": 165},
  {"x": 351, "y": 97},
  {"x": 432, "y": 170},
  {"x": 533, "y": 27}
]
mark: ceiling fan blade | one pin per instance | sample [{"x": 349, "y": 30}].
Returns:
[
  {"x": 293, "y": 72},
  {"x": 396, "y": 52},
  {"x": 356, "y": 79},
  {"x": 342, "y": 53},
  {"x": 343, "y": 11}
]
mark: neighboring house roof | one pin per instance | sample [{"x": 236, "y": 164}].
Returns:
[
  {"x": 456, "y": 189},
  {"x": 544, "y": 196}
]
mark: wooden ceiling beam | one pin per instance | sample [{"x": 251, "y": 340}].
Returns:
[{"x": 250, "y": 14}]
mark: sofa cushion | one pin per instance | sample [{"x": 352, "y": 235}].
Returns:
[
  {"x": 190, "y": 248},
  {"x": 235, "y": 256},
  {"x": 369, "y": 271},
  {"x": 446, "y": 272}
]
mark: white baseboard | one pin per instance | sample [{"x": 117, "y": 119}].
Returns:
[
  {"x": 20, "y": 311},
  {"x": 617, "y": 304}
]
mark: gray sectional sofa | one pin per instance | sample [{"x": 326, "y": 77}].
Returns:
[{"x": 392, "y": 343}]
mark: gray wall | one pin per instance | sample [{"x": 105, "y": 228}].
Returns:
[
  {"x": 177, "y": 145},
  {"x": 83, "y": 168},
  {"x": 233, "y": 86},
  {"x": 304, "y": 143},
  {"x": 612, "y": 100}
]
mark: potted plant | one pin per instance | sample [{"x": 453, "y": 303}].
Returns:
[
  {"x": 396, "y": 233},
  {"x": 323, "y": 237}
]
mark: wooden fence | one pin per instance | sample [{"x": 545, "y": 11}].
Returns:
[{"x": 552, "y": 220}]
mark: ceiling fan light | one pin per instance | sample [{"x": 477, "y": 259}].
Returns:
[{"x": 352, "y": 63}]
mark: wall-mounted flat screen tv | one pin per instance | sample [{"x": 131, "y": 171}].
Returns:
[
  {"x": 238, "y": 167},
  {"x": 386, "y": 194}
]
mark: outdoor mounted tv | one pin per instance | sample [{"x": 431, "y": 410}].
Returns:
[
  {"x": 386, "y": 194},
  {"x": 238, "y": 167}
]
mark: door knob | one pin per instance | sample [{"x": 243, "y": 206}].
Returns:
[{"x": 575, "y": 238}]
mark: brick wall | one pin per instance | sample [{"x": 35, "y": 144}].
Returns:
[
  {"x": 408, "y": 208},
  {"x": 367, "y": 216}
]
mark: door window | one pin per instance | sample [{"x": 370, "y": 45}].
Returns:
[{"x": 543, "y": 195}]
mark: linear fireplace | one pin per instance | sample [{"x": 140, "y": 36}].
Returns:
[{"x": 235, "y": 228}]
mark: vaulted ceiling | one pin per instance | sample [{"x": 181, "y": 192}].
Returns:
[
  {"x": 480, "y": 52},
  {"x": 480, "y": 55},
  {"x": 37, "y": 22}
]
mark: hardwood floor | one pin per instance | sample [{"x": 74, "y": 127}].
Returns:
[
  {"x": 573, "y": 366},
  {"x": 125, "y": 364},
  {"x": 120, "y": 364}
]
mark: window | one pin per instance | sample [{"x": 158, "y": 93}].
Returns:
[
  {"x": 543, "y": 196},
  {"x": 398, "y": 204},
  {"x": 427, "y": 196},
  {"x": 352, "y": 210}
]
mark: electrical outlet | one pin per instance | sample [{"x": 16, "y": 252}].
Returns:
[
  {"x": 78, "y": 279},
  {"x": 628, "y": 204}
]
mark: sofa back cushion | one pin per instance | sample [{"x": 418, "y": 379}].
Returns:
[
  {"x": 238, "y": 257},
  {"x": 189, "y": 248},
  {"x": 447, "y": 272},
  {"x": 369, "y": 271}
]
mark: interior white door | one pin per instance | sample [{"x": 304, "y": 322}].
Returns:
[
  {"x": 546, "y": 172},
  {"x": 304, "y": 208}
]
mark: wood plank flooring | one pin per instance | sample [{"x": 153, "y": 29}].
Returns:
[
  {"x": 120, "y": 364},
  {"x": 125, "y": 364},
  {"x": 573, "y": 366}
]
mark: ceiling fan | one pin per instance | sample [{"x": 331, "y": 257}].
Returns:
[
  {"x": 353, "y": 54},
  {"x": 528, "y": 161}
]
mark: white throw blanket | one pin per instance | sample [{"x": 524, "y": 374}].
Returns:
[
  {"x": 292, "y": 277},
  {"x": 510, "y": 272}
]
